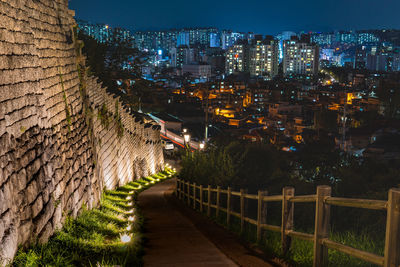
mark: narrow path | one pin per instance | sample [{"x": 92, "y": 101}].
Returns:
[{"x": 173, "y": 240}]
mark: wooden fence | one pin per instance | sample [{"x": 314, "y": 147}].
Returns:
[{"x": 194, "y": 195}]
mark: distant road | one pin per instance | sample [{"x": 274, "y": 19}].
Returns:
[{"x": 177, "y": 139}]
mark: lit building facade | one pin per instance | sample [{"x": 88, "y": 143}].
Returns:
[
  {"x": 300, "y": 58},
  {"x": 322, "y": 38},
  {"x": 264, "y": 59},
  {"x": 229, "y": 38},
  {"x": 183, "y": 39},
  {"x": 101, "y": 32},
  {"x": 237, "y": 58}
]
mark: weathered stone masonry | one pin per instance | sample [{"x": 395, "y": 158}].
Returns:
[{"x": 56, "y": 153}]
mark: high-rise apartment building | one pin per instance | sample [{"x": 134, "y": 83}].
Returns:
[
  {"x": 300, "y": 58},
  {"x": 182, "y": 39},
  {"x": 264, "y": 58},
  {"x": 101, "y": 32},
  {"x": 215, "y": 40},
  {"x": 184, "y": 55},
  {"x": 360, "y": 59},
  {"x": 229, "y": 38},
  {"x": 201, "y": 36},
  {"x": 237, "y": 58},
  {"x": 156, "y": 40},
  {"x": 322, "y": 38}
]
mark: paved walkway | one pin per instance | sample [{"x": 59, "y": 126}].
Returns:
[{"x": 173, "y": 240}]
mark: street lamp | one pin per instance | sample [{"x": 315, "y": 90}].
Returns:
[
  {"x": 187, "y": 138},
  {"x": 201, "y": 146}
]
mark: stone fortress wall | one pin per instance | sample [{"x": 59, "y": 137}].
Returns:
[{"x": 63, "y": 138}]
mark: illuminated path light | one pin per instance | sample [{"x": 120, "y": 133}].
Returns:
[{"x": 125, "y": 238}]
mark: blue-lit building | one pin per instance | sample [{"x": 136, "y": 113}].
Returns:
[
  {"x": 183, "y": 39},
  {"x": 322, "y": 38},
  {"x": 215, "y": 40},
  {"x": 229, "y": 38}
]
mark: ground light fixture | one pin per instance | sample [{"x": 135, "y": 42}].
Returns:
[{"x": 125, "y": 238}]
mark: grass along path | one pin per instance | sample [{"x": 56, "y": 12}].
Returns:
[{"x": 105, "y": 236}]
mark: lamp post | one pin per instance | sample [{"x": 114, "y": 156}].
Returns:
[
  {"x": 186, "y": 138},
  {"x": 201, "y": 146}
]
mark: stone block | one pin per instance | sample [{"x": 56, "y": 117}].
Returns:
[
  {"x": 9, "y": 245},
  {"x": 46, "y": 233},
  {"x": 25, "y": 232},
  {"x": 5, "y": 197},
  {"x": 31, "y": 192},
  {"x": 19, "y": 180},
  {"x": 37, "y": 206},
  {"x": 44, "y": 217}
]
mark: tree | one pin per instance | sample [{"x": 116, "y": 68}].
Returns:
[{"x": 112, "y": 61}]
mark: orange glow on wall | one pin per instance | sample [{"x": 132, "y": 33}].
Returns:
[{"x": 350, "y": 97}]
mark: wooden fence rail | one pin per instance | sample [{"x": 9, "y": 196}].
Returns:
[{"x": 194, "y": 196}]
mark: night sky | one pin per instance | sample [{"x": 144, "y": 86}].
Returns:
[{"x": 258, "y": 16}]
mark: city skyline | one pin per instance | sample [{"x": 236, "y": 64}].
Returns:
[{"x": 263, "y": 18}]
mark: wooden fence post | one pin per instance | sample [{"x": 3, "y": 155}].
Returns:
[
  {"x": 287, "y": 217},
  {"x": 242, "y": 208},
  {"x": 209, "y": 201},
  {"x": 194, "y": 196},
  {"x": 180, "y": 189},
  {"x": 201, "y": 198},
  {"x": 176, "y": 187},
  {"x": 183, "y": 190},
  {"x": 261, "y": 212},
  {"x": 228, "y": 206},
  {"x": 322, "y": 214},
  {"x": 218, "y": 198},
  {"x": 392, "y": 240},
  {"x": 188, "y": 193}
]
